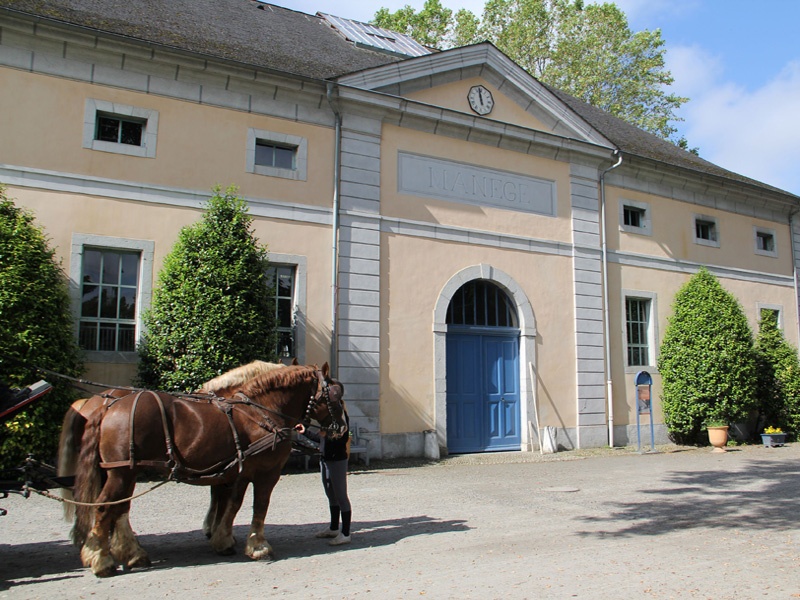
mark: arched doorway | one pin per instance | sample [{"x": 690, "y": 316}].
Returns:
[{"x": 482, "y": 365}]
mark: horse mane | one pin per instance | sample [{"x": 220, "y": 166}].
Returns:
[
  {"x": 239, "y": 376},
  {"x": 276, "y": 379}
]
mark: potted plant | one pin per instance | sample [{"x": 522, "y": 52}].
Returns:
[
  {"x": 773, "y": 436},
  {"x": 717, "y": 433}
]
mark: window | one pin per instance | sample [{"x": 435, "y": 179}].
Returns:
[
  {"x": 637, "y": 323},
  {"x": 765, "y": 242},
  {"x": 283, "y": 288},
  {"x": 273, "y": 155},
  {"x": 109, "y": 291},
  {"x": 276, "y": 154},
  {"x": 110, "y": 286},
  {"x": 634, "y": 217},
  {"x": 705, "y": 231},
  {"x": 483, "y": 304},
  {"x": 111, "y": 128},
  {"x": 771, "y": 311},
  {"x": 641, "y": 331},
  {"x": 121, "y": 129}
]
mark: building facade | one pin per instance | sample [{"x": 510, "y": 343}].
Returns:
[{"x": 478, "y": 256}]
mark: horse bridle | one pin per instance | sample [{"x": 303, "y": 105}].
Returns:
[{"x": 324, "y": 392}]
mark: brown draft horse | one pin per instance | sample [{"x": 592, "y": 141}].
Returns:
[
  {"x": 80, "y": 412},
  {"x": 202, "y": 441}
]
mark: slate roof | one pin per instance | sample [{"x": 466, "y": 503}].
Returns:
[
  {"x": 287, "y": 41},
  {"x": 244, "y": 31},
  {"x": 634, "y": 141}
]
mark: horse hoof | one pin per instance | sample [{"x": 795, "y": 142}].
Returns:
[
  {"x": 104, "y": 568},
  {"x": 140, "y": 562},
  {"x": 227, "y": 551},
  {"x": 265, "y": 554}
]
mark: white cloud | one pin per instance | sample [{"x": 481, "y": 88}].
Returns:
[
  {"x": 752, "y": 132},
  {"x": 694, "y": 69}
]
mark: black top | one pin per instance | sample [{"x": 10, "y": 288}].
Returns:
[{"x": 336, "y": 449}]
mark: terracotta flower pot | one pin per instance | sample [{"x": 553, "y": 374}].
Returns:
[{"x": 718, "y": 437}]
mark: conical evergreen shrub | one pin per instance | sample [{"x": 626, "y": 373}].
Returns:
[
  {"x": 778, "y": 377},
  {"x": 36, "y": 330},
  {"x": 212, "y": 308},
  {"x": 706, "y": 360}
]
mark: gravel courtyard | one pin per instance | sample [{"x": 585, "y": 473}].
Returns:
[{"x": 680, "y": 523}]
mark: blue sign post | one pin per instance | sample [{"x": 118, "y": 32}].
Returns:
[{"x": 644, "y": 387}]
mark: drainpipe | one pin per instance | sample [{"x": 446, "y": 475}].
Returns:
[
  {"x": 335, "y": 234},
  {"x": 794, "y": 270},
  {"x": 607, "y": 336}
]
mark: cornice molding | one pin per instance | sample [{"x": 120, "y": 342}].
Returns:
[{"x": 155, "y": 194}]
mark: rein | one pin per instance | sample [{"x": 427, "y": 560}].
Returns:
[{"x": 275, "y": 434}]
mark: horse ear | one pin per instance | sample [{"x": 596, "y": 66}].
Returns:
[
  {"x": 325, "y": 369},
  {"x": 295, "y": 361}
]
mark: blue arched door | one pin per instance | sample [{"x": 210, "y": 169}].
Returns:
[{"x": 483, "y": 398}]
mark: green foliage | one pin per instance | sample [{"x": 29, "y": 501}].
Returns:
[
  {"x": 211, "y": 310},
  {"x": 778, "y": 376},
  {"x": 707, "y": 360},
  {"x": 36, "y": 330},
  {"x": 586, "y": 50},
  {"x": 428, "y": 26}
]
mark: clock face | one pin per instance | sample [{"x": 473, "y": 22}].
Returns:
[{"x": 480, "y": 100}]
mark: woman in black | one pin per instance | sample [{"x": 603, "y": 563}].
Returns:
[{"x": 334, "y": 458}]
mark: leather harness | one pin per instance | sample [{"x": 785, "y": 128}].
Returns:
[{"x": 178, "y": 472}]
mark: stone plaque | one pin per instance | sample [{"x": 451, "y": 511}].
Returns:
[{"x": 471, "y": 184}]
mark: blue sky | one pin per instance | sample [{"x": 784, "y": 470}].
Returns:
[{"x": 737, "y": 60}]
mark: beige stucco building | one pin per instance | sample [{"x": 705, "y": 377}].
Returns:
[{"x": 474, "y": 252}]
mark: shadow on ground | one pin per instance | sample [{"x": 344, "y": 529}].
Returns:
[
  {"x": 26, "y": 564},
  {"x": 765, "y": 494}
]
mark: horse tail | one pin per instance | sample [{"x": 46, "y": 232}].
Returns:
[
  {"x": 88, "y": 479},
  {"x": 68, "y": 448}
]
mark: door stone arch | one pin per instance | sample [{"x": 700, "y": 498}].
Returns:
[{"x": 527, "y": 346}]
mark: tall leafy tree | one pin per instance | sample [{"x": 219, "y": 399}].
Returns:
[
  {"x": 212, "y": 310},
  {"x": 429, "y": 26},
  {"x": 586, "y": 50},
  {"x": 778, "y": 376},
  {"x": 36, "y": 330},
  {"x": 707, "y": 360}
]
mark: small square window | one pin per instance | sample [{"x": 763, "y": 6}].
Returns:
[
  {"x": 275, "y": 155},
  {"x": 112, "y": 128},
  {"x": 769, "y": 312},
  {"x": 705, "y": 231},
  {"x": 632, "y": 216},
  {"x": 765, "y": 242},
  {"x": 120, "y": 129}
]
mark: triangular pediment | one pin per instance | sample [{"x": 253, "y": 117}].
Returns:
[{"x": 444, "y": 79}]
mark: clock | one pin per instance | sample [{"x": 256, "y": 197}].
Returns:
[{"x": 480, "y": 99}]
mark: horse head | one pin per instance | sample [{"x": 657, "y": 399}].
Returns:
[{"x": 327, "y": 404}]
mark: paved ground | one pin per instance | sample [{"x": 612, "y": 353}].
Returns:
[{"x": 683, "y": 523}]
